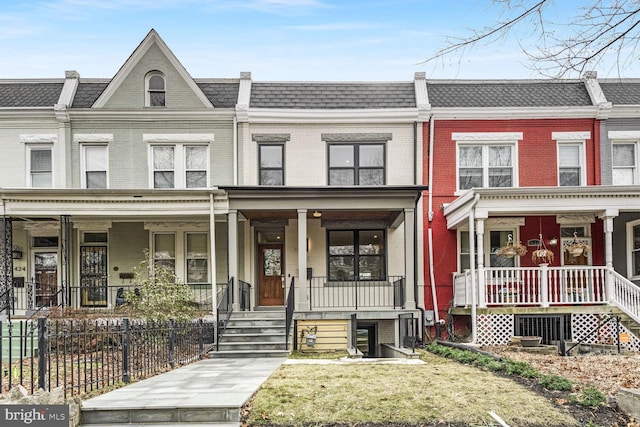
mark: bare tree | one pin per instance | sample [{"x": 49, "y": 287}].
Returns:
[{"x": 598, "y": 31}]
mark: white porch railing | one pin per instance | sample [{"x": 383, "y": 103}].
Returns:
[
  {"x": 626, "y": 296},
  {"x": 538, "y": 286}
]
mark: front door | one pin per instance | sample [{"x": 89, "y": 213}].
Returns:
[
  {"x": 46, "y": 276},
  {"x": 93, "y": 276},
  {"x": 270, "y": 282}
]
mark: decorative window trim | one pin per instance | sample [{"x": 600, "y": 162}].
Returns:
[
  {"x": 267, "y": 138},
  {"x": 489, "y": 137},
  {"x": 179, "y": 138},
  {"x": 575, "y": 220},
  {"x": 39, "y": 138},
  {"x": 571, "y": 136},
  {"x": 282, "y": 159},
  {"x": 97, "y": 226},
  {"x": 629, "y": 236},
  {"x": 624, "y": 134},
  {"x": 356, "y": 137},
  {"x": 93, "y": 138}
]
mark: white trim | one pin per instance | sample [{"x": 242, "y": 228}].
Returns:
[
  {"x": 179, "y": 159},
  {"x": 634, "y": 168},
  {"x": 178, "y": 138},
  {"x": 43, "y": 147},
  {"x": 575, "y": 220},
  {"x": 147, "y": 91},
  {"x": 98, "y": 138},
  {"x": 624, "y": 134},
  {"x": 83, "y": 163},
  {"x": 582, "y": 163},
  {"x": 373, "y": 115},
  {"x": 41, "y": 138},
  {"x": 487, "y": 136},
  {"x": 570, "y": 136},
  {"x": 629, "y": 247},
  {"x": 484, "y": 145}
]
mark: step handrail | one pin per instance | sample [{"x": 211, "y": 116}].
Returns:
[
  {"x": 289, "y": 312},
  {"x": 625, "y": 295},
  {"x": 596, "y": 329},
  {"x": 225, "y": 306}
]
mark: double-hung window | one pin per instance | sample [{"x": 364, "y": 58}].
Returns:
[
  {"x": 183, "y": 164},
  {"x": 357, "y": 164},
  {"x": 486, "y": 159},
  {"x": 633, "y": 250},
  {"x": 625, "y": 157},
  {"x": 572, "y": 169},
  {"x": 271, "y": 161},
  {"x": 357, "y": 255},
  {"x": 40, "y": 166},
  {"x": 95, "y": 165}
]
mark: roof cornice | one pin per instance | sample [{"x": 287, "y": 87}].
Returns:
[
  {"x": 510, "y": 113},
  {"x": 155, "y": 115},
  {"x": 276, "y": 115},
  {"x": 624, "y": 111}
]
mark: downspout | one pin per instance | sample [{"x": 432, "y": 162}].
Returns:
[
  {"x": 432, "y": 279},
  {"x": 419, "y": 297}
]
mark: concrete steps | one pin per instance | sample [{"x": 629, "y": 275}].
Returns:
[{"x": 253, "y": 334}]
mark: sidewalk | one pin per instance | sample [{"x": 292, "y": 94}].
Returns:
[{"x": 209, "y": 392}]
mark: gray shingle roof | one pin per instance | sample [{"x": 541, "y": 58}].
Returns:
[
  {"x": 621, "y": 92},
  {"x": 29, "y": 94},
  {"x": 332, "y": 95},
  {"x": 87, "y": 93},
  {"x": 507, "y": 94},
  {"x": 221, "y": 94}
]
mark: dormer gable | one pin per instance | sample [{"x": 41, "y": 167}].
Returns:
[{"x": 152, "y": 77}]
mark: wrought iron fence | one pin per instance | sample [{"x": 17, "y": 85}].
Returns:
[{"x": 88, "y": 355}]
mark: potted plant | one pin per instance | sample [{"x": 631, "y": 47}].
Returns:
[
  {"x": 577, "y": 248},
  {"x": 530, "y": 341},
  {"x": 512, "y": 249},
  {"x": 542, "y": 255}
]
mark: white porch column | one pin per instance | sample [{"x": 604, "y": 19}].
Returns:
[
  {"x": 482, "y": 288},
  {"x": 212, "y": 257},
  {"x": 608, "y": 217},
  {"x": 474, "y": 282},
  {"x": 302, "y": 297},
  {"x": 410, "y": 258},
  {"x": 233, "y": 256}
]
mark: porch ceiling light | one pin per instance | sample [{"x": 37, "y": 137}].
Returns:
[
  {"x": 317, "y": 214},
  {"x": 553, "y": 241}
]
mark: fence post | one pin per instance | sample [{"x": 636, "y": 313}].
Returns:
[
  {"x": 43, "y": 352},
  {"x": 172, "y": 339},
  {"x": 201, "y": 338},
  {"x": 126, "y": 348}
]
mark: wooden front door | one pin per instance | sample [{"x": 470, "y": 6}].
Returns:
[{"x": 270, "y": 282}]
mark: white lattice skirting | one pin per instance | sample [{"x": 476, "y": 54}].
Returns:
[{"x": 497, "y": 329}]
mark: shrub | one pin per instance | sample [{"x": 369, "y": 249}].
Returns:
[
  {"x": 591, "y": 397},
  {"x": 556, "y": 382},
  {"x": 522, "y": 369},
  {"x": 159, "y": 294}
]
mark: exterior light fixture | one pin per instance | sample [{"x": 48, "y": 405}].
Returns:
[
  {"x": 317, "y": 214},
  {"x": 553, "y": 241},
  {"x": 16, "y": 253}
]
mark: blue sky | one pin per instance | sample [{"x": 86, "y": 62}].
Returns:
[{"x": 276, "y": 40}]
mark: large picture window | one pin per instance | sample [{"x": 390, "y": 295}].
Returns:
[
  {"x": 357, "y": 255},
  {"x": 356, "y": 164}
]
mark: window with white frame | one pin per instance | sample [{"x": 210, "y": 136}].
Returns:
[
  {"x": 164, "y": 250},
  {"x": 633, "y": 250},
  {"x": 570, "y": 165},
  {"x": 572, "y": 170},
  {"x": 40, "y": 166},
  {"x": 179, "y": 166},
  {"x": 156, "y": 90},
  {"x": 197, "y": 254},
  {"x": 624, "y": 158},
  {"x": 486, "y": 159},
  {"x": 95, "y": 166}
]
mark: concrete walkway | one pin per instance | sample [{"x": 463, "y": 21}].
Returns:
[{"x": 206, "y": 393}]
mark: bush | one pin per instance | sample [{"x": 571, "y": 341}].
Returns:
[
  {"x": 556, "y": 382},
  {"x": 591, "y": 397},
  {"x": 159, "y": 294}
]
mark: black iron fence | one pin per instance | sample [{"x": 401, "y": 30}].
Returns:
[
  {"x": 408, "y": 332},
  {"x": 325, "y": 293},
  {"x": 89, "y": 355}
]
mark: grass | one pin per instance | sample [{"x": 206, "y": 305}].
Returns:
[{"x": 440, "y": 390}]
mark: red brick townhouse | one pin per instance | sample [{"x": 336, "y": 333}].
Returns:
[{"x": 517, "y": 165}]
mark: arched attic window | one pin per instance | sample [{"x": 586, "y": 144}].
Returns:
[{"x": 155, "y": 89}]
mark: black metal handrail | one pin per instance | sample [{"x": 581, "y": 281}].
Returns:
[
  {"x": 593, "y": 331},
  {"x": 6, "y": 302},
  {"x": 408, "y": 332},
  {"x": 386, "y": 292},
  {"x": 224, "y": 310},
  {"x": 245, "y": 295},
  {"x": 354, "y": 332},
  {"x": 291, "y": 298}
]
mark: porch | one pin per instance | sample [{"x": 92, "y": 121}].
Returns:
[{"x": 546, "y": 286}]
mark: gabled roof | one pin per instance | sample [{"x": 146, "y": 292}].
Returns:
[
  {"x": 621, "y": 92},
  {"x": 505, "y": 93},
  {"x": 30, "y": 94},
  {"x": 323, "y": 95},
  {"x": 152, "y": 39}
]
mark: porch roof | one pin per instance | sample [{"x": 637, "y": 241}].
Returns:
[{"x": 495, "y": 202}]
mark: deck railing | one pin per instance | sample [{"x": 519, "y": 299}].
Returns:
[
  {"x": 626, "y": 295},
  {"x": 355, "y": 294},
  {"x": 536, "y": 286}
]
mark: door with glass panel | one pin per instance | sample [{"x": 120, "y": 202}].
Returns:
[
  {"x": 271, "y": 285},
  {"x": 45, "y": 268},
  {"x": 93, "y": 276}
]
